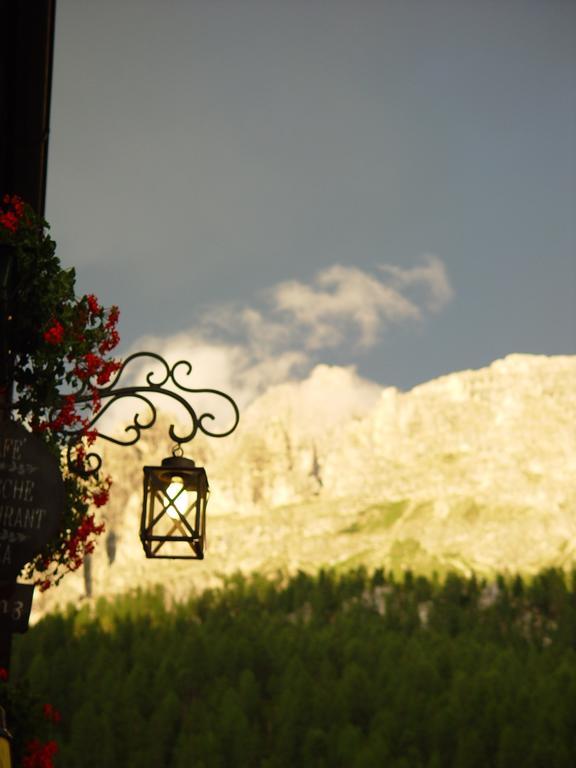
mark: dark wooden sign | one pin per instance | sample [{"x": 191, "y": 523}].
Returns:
[
  {"x": 31, "y": 497},
  {"x": 15, "y": 606}
]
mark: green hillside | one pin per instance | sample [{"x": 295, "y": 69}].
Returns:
[{"x": 343, "y": 670}]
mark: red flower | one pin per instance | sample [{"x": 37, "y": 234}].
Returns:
[
  {"x": 107, "y": 370},
  {"x": 3, "y": 674},
  {"x": 51, "y": 713},
  {"x": 11, "y": 219},
  {"x": 39, "y": 755},
  {"x": 78, "y": 545},
  {"x": 93, "y": 304},
  {"x": 111, "y": 341},
  {"x": 93, "y": 363},
  {"x": 96, "y": 399},
  {"x": 67, "y": 415},
  {"x": 16, "y": 202},
  {"x": 55, "y": 334},
  {"x": 100, "y": 498},
  {"x": 113, "y": 315},
  {"x": 90, "y": 435},
  {"x": 88, "y": 366}
]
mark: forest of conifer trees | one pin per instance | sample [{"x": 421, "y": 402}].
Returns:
[{"x": 359, "y": 670}]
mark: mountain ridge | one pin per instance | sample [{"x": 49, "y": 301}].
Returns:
[{"x": 471, "y": 471}]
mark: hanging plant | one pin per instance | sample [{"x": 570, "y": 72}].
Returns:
[
  {"x": 59, "y": 355},
  {"x": 32, "y": 724}
]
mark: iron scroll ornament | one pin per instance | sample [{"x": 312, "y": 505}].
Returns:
[{"x": 157, "y": 383}]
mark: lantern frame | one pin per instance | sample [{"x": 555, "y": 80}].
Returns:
[{"x": 163, "y": 522}]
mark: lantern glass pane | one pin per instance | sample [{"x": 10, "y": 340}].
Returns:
[{"x": 177, "y": 500}]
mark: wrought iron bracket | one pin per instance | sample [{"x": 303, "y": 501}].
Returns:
[{"x": 160, "y": 379}]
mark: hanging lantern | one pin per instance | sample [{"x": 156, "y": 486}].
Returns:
[{"x": 173, "y": 524}]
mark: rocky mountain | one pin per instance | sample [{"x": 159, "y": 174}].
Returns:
[{"x": 473, "y": 471}]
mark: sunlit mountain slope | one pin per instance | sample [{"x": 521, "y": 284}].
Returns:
[{"x": 473, "y": 471}]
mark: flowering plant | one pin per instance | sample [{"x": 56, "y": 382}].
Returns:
[
  {"x": 59, "y": 345},
  {"x": 39, "y": 754},
  {"x": 26, "y": 716}
]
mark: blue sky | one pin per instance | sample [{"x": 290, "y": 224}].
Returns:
[{"x": 269, "y": 185}]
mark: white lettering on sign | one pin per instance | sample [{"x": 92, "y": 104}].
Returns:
[
  {"x": 16, "y": 489},
  {"x": 11, "y": 448},
  {"x": 21, "y": 517},
  {"x": 13, "y": 608},
  {"x": 17, "y": 610},
  {"x": 5, "y": 554}
]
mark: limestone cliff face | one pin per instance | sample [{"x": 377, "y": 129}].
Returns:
[{"x": 474, "y": 471}]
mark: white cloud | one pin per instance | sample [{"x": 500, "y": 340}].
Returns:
[
  {"x": 305, "y": 405},
  {"x": 342, "y": 298},
  {"x": 230, "y": 368},
  {"x": 431, "y": 276},
  {"x": 244, "y": 350},
  {"x": 341, "y": 304},
  {"x": 252, "y": 327}
]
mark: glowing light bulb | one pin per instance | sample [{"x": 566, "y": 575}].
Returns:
[{"x": 178, "y": 497}]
